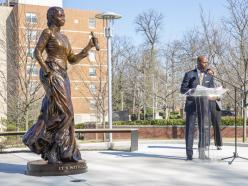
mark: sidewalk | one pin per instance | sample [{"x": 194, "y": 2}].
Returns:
[
  {"x": 157, "y": 163},
  {"x": 125, "y": 145}
]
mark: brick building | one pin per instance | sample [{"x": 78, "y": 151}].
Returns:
[
  {"x": 88, "y": 78},
  {"x": 4, "y": 14}
]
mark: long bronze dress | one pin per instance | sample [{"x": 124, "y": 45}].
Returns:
[{"x": 52, "y": 135}]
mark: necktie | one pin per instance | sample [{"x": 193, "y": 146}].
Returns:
[{"x": 201, "y": 78}]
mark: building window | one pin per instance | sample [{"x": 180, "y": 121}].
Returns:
[
  {"x": 92, "y": 104},
  {"x": 76, "y": 21},
  {"x": 92, "y": 23},
  {"x": 32, "y": 70},
  {"x": 30, "y": 52},
  {"x": 92, "y": 56},
  {"x": 31, "y": 35},
  {"x": 76, "y": 86},
  {"x": 92, "y": 72},
  {"x": 31, "y": 18},
  {"x": 78, "y": 118},
  {"x": 33, "y": 86},
  {"x": 92, "y": 118},
  {"x": 92, "y": 88}
]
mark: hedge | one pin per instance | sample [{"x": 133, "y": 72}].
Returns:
[
  {"x": 229, "y": 121},
  {"x": 226, "y": 121}
]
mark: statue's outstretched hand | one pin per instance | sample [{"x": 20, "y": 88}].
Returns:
[{"x": 94, "y": 41}]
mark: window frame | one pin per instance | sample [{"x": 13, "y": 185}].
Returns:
[
  {"x": 32, "y": 70},
  {"x": 92, "y": 23},
  {"x": 31, "y": 17},
  {"x": 93, "y": 73},
  {"x": 92, "y": 104},
  {"x": 92, "y": 88},
  {"x": 92, "y": 56}
]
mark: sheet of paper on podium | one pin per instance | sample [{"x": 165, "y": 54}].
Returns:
[{"x": 204, "y": 91}]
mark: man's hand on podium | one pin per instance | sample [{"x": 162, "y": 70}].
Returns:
[
  {"x": 192, "y": 91},
  {"x": 214, "y": 98}
]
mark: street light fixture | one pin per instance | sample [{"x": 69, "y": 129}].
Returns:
[{"x": 107, "y": 18}]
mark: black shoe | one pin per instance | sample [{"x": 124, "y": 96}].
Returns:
[
  {"x": 189, "y": 158},
  {"x": 219, "y": 148}
]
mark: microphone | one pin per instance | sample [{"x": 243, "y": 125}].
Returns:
[
  {"x": 94, "y": 39},
  {"x": 210, "y": 72}
]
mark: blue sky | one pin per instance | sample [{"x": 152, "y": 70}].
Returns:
[{"x": 179, "y": 15}]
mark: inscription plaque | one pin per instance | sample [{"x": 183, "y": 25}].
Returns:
[{"x": 43, "y": 168}]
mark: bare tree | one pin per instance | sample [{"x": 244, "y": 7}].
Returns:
[
  {"x": 150, "y": 24},
  {"x": 92, "y": 85},
  {"x": 237, "y": 25},
  {"x": 124, "y": 60},
  {"x": 23, "y": 86}
]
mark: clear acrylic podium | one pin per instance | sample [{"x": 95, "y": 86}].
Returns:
[{"x": 203, "y": 96}]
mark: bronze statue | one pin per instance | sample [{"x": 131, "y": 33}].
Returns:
[{"x": 52, "y": 135}]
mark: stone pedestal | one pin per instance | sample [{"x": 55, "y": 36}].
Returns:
[{"x": 42, "y": 168}]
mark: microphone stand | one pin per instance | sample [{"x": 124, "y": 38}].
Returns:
[{"x": 235, "y": 153}]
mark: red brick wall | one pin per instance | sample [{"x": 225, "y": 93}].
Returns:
[{"x": 163, "y": 132}]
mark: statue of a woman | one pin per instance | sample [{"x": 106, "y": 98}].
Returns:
[{"x": 52, "y": 135}]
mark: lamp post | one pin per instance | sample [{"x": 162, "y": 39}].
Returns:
[{"x": 108, "y": 17}]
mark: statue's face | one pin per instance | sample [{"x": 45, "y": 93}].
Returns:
[{"x": 59, "y": 18}]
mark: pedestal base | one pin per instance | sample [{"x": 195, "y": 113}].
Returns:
[{"x": 42, "y": 168}]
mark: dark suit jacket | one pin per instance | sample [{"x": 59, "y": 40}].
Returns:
[
  {"x": 218, "y": 102},
  {"x": 190, "y": 81}
]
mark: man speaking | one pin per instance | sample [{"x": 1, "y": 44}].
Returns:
[{"x": 196, "y": 106}]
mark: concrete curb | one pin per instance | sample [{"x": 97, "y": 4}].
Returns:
[{"x": 118, "y": 145}]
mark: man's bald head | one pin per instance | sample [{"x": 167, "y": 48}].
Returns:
[
  {"x": 202, "y": 63},
  {"x": 201, "y": 58}
]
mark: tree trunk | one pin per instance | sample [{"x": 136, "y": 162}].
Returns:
[
  {"x": 138, "y": 113},
  {"x": 244, "y": 119},
  {"x": 122, "y": 103},
  {"x": 26, "y": 120},
  {"x": 104, "y": 126},
  {"x": 153, "y": 97}
]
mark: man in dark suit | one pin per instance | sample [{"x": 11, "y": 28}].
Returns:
[
  {"x": 196, "y": 107},
  {"x": 215, "y": 111}
]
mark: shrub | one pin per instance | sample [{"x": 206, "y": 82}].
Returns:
[
  {"x": 151, "y": 122},
  {"x": 226, "y": 121},
  {"x": 175, "y": 115},
  {"x": 158, "y": 122},
  {"x": 80, "y": 126},
  {"x": 229, "y": 121},
  {"x": 176, "y": 122},
  {"x": 11, "y": 126}
]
